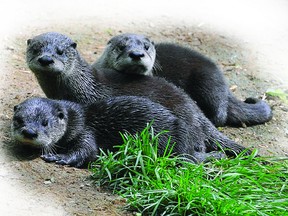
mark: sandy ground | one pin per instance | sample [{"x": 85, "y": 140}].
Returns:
[{"x": 247, "y": 39}]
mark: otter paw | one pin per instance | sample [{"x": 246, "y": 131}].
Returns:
[
  {"x": 72, "y": 163},
  {"x": 63, "y": 159},
  {"x": 50, "y": 157}
]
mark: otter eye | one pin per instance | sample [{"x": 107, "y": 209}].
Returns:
[
  {"x": 60, "y": 51},
  {"x": 146, "y": 46},
  {"x": 121, "y": 47},
  {"x": 44, "y": 122},
  {"x": 61, "y": 115},
  {"x": 18, "y": 120},
  {"x": 34, "y": 50}
]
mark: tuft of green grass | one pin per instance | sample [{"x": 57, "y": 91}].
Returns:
[
  {"x": 165, "y": 185},
  {"x": 278, "y": 93}
]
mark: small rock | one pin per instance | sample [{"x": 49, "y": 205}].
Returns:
[
  {"x": 49, "y": 181},
  {"x": 233, "y": 88},
  {"x": 10, "y": 48}
]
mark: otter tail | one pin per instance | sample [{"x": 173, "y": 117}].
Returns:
[{"x": 250, "y": 112}]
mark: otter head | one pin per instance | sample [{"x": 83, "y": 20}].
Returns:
[
  {"x": 129, "y": 53},
  {"x": 39, "y": 122},
  {"x": 51, "y": 53}
]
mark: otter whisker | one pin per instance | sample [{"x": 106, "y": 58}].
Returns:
[{"x": 156, "y": 67}]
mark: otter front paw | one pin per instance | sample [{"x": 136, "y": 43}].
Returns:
[
  {"x": 63, "y": 159},
  {"x": 50, "y": 157}
]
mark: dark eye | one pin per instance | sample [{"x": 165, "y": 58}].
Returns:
[
  {"x": 44, "y": 122},
  {"x": 121, "y": 47},
  {"x": 146, "y": 46},
  {"x": 61, "y": 115},
  {"x": 34, "y": 48},
  {"x": 18, "y": 120},
  {"x": 60, "y": 51},
  {"x": 34, "y": 51}
]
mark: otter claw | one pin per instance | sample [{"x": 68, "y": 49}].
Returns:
[
  {"x": 50, "y": 157},
  {"x": 57, "y": 158},
  {"x": 62, "y": 162},
  {"x": 70, "y": 161}
]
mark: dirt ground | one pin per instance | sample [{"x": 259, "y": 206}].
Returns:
[{"x": 70, "y": 190}]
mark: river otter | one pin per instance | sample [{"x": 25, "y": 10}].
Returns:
[
  {"x": 74, "y": 80},
  {"x": 188, "y": 69},
  {"x": 71, "y": 134}
]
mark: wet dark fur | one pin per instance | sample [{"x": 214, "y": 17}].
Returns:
[
  {"x": 85, "y": 86},
  {"x": 196, "y": 74},
  {"x": 205, "y": 83},
  {"x": 90, "y": 127}
]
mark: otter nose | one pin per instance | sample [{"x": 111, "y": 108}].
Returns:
[
  {"x": 136, "y": 55},
  {"x": 45, "y": 60},
  {"x": 29, "y": 133}
]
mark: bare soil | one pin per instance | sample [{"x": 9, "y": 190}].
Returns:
[{"x": 72, "y": 191}]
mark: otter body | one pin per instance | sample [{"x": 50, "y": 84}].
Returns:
[
  {"x": 77, "y": 82},
  {"x": 188, "y": 69},
  {"x": 71, "y": 134}
]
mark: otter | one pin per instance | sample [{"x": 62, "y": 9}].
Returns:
[
  {"x": 199, "y": 76},
  {"x": 66, "y": 75},
  {"x": 71, "y": 133}
]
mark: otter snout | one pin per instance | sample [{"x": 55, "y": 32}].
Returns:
[
  {"x": 45, "y": 60},
  {"x": 136, "y": 55},
  {"x": 29, "y": 133}
]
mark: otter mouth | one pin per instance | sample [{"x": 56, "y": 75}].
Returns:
[
  {"x": 134, "y": 69},
  {"x": 52, "y": 69},
  {"x": 29, "y": 142}
]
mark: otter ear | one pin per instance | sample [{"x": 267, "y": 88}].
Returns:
[
  {"x": 74, "y": 45},
  {"x": 16, "y": 107},
  {"x": 29, "y": 41},
  {"x": 60, "y": 115}
]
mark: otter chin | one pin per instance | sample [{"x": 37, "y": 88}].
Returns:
[{"x": 26, "y": 141}]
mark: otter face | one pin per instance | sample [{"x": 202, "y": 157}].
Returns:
[
  {"x": 131, "y": 53},
  {"x": 50, "y": 53},
  {"x": 39, "y": 122}
]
